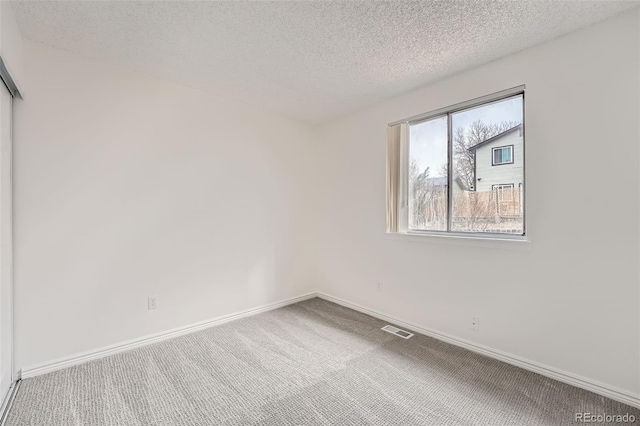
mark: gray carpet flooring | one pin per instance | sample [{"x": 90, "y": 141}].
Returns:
[{"x": 312, "y": 363}]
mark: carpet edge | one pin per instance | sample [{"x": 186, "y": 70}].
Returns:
[
  {"x": 83, "y": 357},
  {"x": 594, "y": 386}
]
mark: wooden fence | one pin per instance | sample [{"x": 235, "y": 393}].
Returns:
[{"x": 498, "y": 210}]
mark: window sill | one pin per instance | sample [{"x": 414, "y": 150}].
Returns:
[{"x": 489, "y": 241}]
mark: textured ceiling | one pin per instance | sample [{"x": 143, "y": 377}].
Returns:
[{"x": 311, "y": 60}]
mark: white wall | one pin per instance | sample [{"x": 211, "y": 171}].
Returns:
[
  {"x": 128, "y": 186},
  {"x": 570, "y": 300},
  {"x": 11, "y": 45}
]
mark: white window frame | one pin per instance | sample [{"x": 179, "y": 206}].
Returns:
[
  {"x": 502, "y": 148},
  {"x": 402, "y": 207},
  {"x": 501, "y": 187}
]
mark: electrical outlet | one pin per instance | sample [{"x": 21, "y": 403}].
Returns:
[
  {"x": 152, "y": 302},
  {"x": 475, "y": 324},
  {"x": 379, "y": 286}
]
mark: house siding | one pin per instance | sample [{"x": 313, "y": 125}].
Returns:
[{"x": 488, "y": 175}]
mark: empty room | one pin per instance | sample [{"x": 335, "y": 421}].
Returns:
[{"x": 319, "y": 213}]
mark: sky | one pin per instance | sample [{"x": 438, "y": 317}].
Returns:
[{"x": 428, "y": 140}]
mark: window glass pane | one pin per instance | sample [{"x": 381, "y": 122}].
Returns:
[
  {"x": 476, "y": 206},
  {"x": 428, "y": 157},
  {"x": 497, "y": 156},
  {"x": 507, "y": 155}
]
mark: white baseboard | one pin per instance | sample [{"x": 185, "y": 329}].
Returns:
[
  {"x": 554, "y": 373},
  {"x": 83, "y": 357}
]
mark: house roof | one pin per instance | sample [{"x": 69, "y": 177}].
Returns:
[
  {"x": 493, "y": 138},
  {"x": 438, "y": 181}
]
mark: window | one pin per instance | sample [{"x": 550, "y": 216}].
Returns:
[
  {"x": 503, "y": 192},
  {"x": 428, "y": 183},
  {"x": 503, "y": 155},
  {"x": 440, "y": 174}
]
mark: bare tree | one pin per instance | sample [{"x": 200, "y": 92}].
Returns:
[
  {"x": 419, "y": 193},
  {"x": 427, "y": 198},
  {"x": 444, "y": 170}
]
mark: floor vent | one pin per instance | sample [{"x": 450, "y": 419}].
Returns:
[{"x": 394, "y": 330}]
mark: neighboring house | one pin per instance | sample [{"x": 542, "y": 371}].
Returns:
[
  {"x": 437, "y": 182},
  {"x": 441, "y": 183},
  {"x": 499, "y": 161}
]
